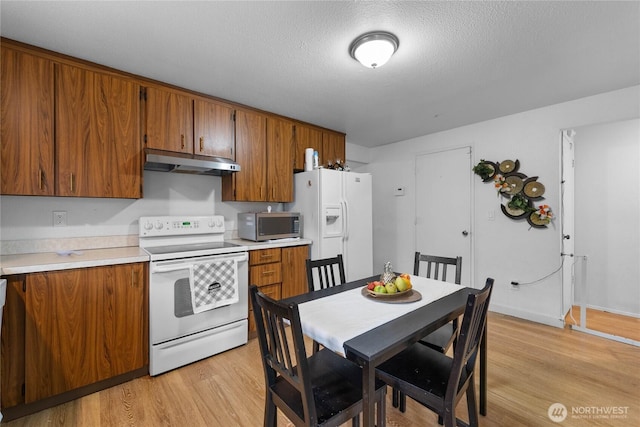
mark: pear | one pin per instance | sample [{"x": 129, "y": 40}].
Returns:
[{"x": 391, "y": 288}]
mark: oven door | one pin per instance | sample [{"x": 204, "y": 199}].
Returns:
[{"x": 171, "y": 314}]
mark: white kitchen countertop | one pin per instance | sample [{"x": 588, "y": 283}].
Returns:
[{"x": 51, "y": 261}]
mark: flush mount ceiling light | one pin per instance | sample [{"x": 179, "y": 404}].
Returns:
[{"x": 374, "y": 49}]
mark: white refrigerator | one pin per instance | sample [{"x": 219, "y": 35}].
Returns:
[{"x": 336, "y": 214}]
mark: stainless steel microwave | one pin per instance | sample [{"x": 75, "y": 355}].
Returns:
[{"x": 260, "y": 226}]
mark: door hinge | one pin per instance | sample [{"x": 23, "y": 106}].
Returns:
[
  {"x": 233, "y": 116},
  {"x": 24, "y": 286},
  {"x": 23, "y": 390},
  {"x": 143, "y": 94},
  {"x": 145, "y": 138}
]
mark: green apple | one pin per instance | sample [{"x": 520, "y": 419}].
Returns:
[{"x": 380, "y": 289}]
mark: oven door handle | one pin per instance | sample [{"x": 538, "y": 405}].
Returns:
[{"x": 159, "y": 268}]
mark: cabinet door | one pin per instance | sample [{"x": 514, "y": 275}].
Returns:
[
  {"x": 250, "y": 183},
  {"x": 97, "y": 132},
  {"x": 13, "y": 348},
  {"x": 333, "y": 148},
  {"x": 27, "y": 166},
  {"x": 214, "y": 129},
  {"x": 305, "y": 137},
  {"x": 169, "y": 120},
  {"x": 279, "y": 160},
  {"x": 83, "y": 326},
  {"x": 125, "y": 317},
  {"x": 294, "y": 282}
]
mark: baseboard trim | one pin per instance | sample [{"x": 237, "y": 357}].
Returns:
[{"x": 527, "y": 315}]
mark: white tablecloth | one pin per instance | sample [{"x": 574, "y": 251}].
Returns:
[{"x": 337, "y": 318}]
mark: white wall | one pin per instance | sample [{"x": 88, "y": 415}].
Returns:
[
  {"x": 504, "y": 249},
  {"x": 28, "y": 218},
  {"x": 607, "y": 220}
]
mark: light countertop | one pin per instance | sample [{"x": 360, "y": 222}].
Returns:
[{"x": 51, "y": 261}]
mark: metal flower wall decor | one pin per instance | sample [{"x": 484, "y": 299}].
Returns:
[{"x": 521, "y": 192}]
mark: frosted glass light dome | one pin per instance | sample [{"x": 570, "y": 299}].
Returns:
[{"x": 374, "y": 49}]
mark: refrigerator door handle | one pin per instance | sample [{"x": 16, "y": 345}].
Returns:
[{"x": 345, "y": 219}]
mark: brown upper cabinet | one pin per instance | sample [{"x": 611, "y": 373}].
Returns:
[
  {"x": 279, "y": 160},
  {"x": 90, "y": 147},
  {"x": 250, "y": 183},
  {"x": 264, "y": 150},
  {"x": 305, "y": 137},
  {"x": 97, "y": 134},
  {"x": 27, "y": 124},
  {"x": 180, "y": 122},
  {"x": 214, "y": 129},
  {"x": 333, "y": 148},
  {"x": 169, "y": 120}
]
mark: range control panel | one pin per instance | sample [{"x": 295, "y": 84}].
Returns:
[{"x": 156, "y": 226}]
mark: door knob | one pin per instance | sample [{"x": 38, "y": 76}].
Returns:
[{"x": 465, "y": 233}]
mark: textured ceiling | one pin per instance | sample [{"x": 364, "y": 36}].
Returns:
[{"x": 458, "y": 62}]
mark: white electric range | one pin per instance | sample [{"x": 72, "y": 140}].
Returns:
[{"x": 178, "y": 246}]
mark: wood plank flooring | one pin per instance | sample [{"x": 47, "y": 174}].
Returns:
[
  {"x": 609, "y": 323},
  {"x": 531, "y": 366}
]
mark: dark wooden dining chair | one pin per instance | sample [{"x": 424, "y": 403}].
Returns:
[
  {"x": 324, "y": 389},
  {"x": 436, "y": 380},
  {"x": 329, "y": 271},
  {"x": 435, "y": 267}
]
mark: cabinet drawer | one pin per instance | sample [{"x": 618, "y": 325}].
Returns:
[
  {"x": 265, "y": 274},
  {"x": 264, "y": 256}
]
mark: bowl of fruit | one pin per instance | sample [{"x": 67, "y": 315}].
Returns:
[{"x": 395, "y": 287}]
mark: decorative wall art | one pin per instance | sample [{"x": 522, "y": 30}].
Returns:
[{"x": 521, "y": 192}]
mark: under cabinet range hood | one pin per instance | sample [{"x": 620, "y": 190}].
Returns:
[{"x": 167, "y": 161}]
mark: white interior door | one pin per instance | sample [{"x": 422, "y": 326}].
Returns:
[{"x": 443, "y": 206}]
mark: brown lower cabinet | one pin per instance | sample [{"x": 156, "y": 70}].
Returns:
[
  {"x": 279, "y": 273},
  {"x": 71, "y": 332}
]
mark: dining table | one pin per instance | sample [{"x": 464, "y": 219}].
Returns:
[{"x": 372, "y": 329}]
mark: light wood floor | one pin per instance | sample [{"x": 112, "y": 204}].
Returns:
[
  {"x": 531, "y": 366},
  {"x": 609, "y": 323}
]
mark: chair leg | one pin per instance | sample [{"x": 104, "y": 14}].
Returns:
[
  {"x": 316, "y": 346},
  {"x": 395, "y": 396},
  {"x": 355, "y": 421},
  {"x": 403, "y": 402},
  {"x": 382, "y": 403},
  {"x": 270, "y": 412},
  {"x": 471, "y": 403}
]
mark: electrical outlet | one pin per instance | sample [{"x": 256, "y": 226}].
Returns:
[{"x": 59, "y": 218}]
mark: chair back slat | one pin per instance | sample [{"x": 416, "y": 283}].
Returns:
[
  {"x": 437, "y": 266},
  {"x": 473, "y": 325},
  {"x": 328, "y": 271},
  {"x": 282, "y": 348}
]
